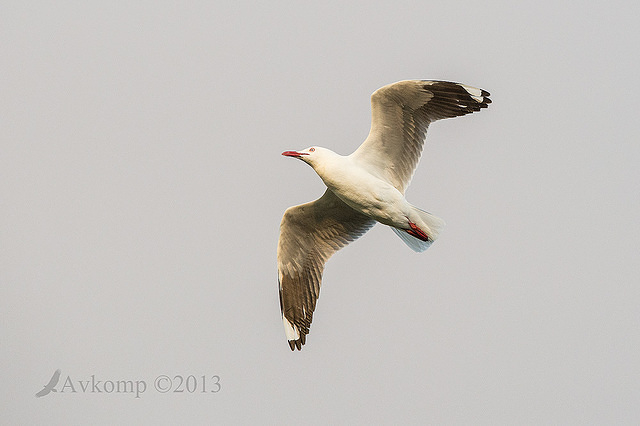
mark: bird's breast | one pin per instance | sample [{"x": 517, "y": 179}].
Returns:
[{"x": 367, "y": 194}]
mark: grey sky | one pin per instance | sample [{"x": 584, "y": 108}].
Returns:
[{"x": 142, "y": 188}]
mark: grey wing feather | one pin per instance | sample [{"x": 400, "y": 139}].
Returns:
[
  {"x": 400, "y": 116},
  {"x": 309, "y": 235}
]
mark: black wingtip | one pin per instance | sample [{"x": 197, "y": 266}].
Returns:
[{"x": 295, "y": 344}]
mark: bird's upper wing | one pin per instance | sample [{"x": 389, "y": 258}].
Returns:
[
  {"x": 309, "y": 234},
  {"x": 400, "y": 115}
]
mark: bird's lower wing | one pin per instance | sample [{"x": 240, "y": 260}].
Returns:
[{"x": 309, "y": 234}]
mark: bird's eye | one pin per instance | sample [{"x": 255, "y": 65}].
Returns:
[{"x": 311, "y": 149}]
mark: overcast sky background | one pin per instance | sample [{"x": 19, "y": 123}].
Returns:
[{"x": 142, "y": 187}]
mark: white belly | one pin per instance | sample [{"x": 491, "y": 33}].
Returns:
[{"x": 371, "y": 196}]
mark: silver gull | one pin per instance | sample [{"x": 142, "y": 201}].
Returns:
[{"x": 363, "y": 188}]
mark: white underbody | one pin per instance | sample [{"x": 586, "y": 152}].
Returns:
[
  {"x": 361, "y": 187},
  {"x": 366, "y": 193}
]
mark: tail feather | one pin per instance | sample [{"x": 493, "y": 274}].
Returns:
[
  {"x": 433, "y": 225},
  {"x": 413, "y": 243}
]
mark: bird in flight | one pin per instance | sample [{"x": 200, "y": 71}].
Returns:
[
  {"x": 50, "y": 387},
  {"x": 363, "y": 188}
]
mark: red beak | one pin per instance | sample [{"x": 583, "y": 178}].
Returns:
[{"x": 294, "y": 154}]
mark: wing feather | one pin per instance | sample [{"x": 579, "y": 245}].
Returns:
[
  {"x": 309, "y": 235},
  {"x": 400, "y": 116}
]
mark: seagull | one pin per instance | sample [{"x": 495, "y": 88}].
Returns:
[
  {"x": 363, "y": 188},
  {"x": 50, "y": 387}
]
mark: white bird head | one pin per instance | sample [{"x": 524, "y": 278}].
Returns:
[{"x": 310, "y": 155}]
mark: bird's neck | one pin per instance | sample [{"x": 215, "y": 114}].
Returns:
[{"x": 333, "y": 170}]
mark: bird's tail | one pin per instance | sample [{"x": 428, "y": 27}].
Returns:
[{"x": 428, "y": 223}]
